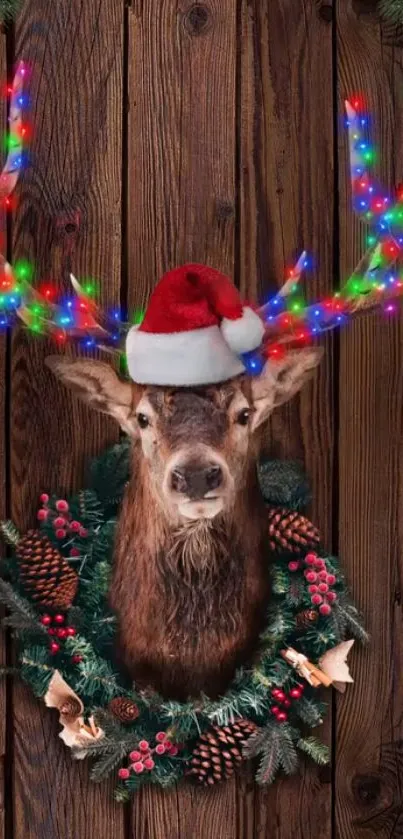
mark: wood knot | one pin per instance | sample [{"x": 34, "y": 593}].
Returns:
[
  {"x": 225, "y": 210},
  {"x": 68, "y": 225},
  {"x": 326, "y": 13},
  {"x": 367, "y": 789},
  {"x": 198, "y": 19}
]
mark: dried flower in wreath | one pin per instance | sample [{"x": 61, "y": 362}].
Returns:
[{"x": 76, "y": 732}]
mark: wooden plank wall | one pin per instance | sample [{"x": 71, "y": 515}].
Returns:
[{"x": 168, "y": 131}]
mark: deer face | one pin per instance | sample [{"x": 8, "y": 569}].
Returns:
[{"x": 196, "y": 444}]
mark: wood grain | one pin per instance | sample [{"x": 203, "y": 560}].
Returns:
[
  {"x": 286, "y": 206},
  {"x": 369, "y": 719},
  {"x": 4, "y": 800},
  {"x": 69, "y": 216},
  {"x": 181, "y": 208}
]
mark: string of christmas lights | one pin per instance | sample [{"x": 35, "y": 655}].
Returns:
[{"x": 289, "y": 321}]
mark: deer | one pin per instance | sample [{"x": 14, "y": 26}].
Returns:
[{"x": 190, "y": 582}]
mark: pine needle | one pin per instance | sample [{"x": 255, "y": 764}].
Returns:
[
  {"x": 391, "y": 10},
  {"x": 9, "y": 9},
  {"x": 8, "y": 528},
  {"x": 316, "y": 750}
]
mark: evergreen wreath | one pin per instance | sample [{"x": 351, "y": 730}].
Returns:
[{"x": 55, "y": 587}]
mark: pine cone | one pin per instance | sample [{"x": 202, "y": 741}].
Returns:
[
  {"x": 218, "y": 751},
  {"x": 305, "y": 618},
  {"x": 47, "y": 577},
  {"x": 290, "y": 532},
  {"x": 124, "y": 709}
]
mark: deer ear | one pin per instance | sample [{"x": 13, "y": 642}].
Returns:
[
  {"x": 281, "y": 379},
  {"x": 98, "y": 385}
]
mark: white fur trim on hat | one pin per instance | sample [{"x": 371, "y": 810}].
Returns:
[
  {"x": 243, "y": 334},
  {"x": 181, "y": 359}
]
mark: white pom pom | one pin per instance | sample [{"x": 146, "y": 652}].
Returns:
[{"x": 243, "y": 334}]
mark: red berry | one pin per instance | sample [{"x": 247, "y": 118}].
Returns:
[
  {"x": 296, "y": 693},
  {"x": 70, "y": 631},
  {"x": 331, "y": 596},
  {"x": 160, "y": 737},
  {"x": 42, "y": 515},
  {"x": 160, "y": 749},
  {"x": 293, "y": 565},
  {"x": 61, "y": 633},
  {"x": 287, "y": 703},
  {"x": 316, "y": 599},
  {"x": 75, "y": 659},
  {"x": 319, "y": 563},
  {"x": 44, "y": 498},
  {"x": 330, "y": 579},
  {"x": 325, "y": 609},
  {"x": 323, "y": 587},
  {"x": 311, "y": 576},
  {"x": 60, "y": 534},
  {"x": 59, "y": 521},
  {"x": 323, "y": 575},
  {"x": 135, "y": 756},
  {"x": 144, "y": 745},
  {"x": 138, "y": 767},
  {"x": 173, "y": 750},
  {"x": 275, "y": 710},
  {"x": 123, "y": 774},
  {"x": 62, "y": 506},
  {"x": 312, "y": 589},
  {"x": 58, "y": 619},
  {"x": 168, "y": 744},
  {"x": 281, "y": 696},
  {"x": 149, "y": 763},
  {"x": 54, "y": 647},
  {"x": 310, "y": 559},
  {"x": 282, "y": 716},
  {"x": 51, "y": 631},
  {"x": 74, "y": 552},
  {"x": 83, "y": 532},
  {"x": 75, "y": 526},
  {"x": 46, "y": 620}
]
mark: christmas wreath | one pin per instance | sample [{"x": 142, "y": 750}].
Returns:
[{"x": 55, "y": 586}]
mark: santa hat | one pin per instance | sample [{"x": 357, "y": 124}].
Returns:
[{"x": 194, "y": 331}]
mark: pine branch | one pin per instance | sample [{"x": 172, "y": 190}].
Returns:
[
  {"x": 8, "y": 528},
  {"x": 316, "y": 750},
  {"x": 121, "y": 794},
  {"x": 280, "y": 579},
  {"x": 275, "y": 744},
  {"x": 283, "y": 484},
  {"x": 347, "y": 619},
  {"x": 35, "y": 670},
  {"x": 391, "y": 10},
  {"x": 110, "y": 472},
  {"x": 23, "y": 618},
  {"x": 310, "y": 711},
  {"x": 9, "y": 9}
]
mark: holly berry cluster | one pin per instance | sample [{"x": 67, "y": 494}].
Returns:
[
  {"x": 61, "y": 519},
  {"x": 320, "y": 581},
  {"x": 141, "y": 760},
  {"x": 55, "y": 628},
  {"x": 284, "y": 701}
]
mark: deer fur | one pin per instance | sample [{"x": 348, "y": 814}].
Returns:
[{"x": 190, "y": 583}]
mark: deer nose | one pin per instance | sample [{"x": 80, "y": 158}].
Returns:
[{"x": 196, "y": 481}]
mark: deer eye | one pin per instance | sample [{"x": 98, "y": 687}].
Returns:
[
  {"x": 243, "y": 416},
  {"x": 143, "y": 421}
]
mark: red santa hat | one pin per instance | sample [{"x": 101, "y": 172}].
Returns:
[{"x": 194, "y": 331}]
